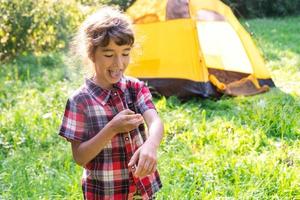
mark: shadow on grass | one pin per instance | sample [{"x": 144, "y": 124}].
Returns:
[
  {"x": 30, "y": 72},
  {"x": 278, "y": 35},
  {"x": 31, "y": 67}
]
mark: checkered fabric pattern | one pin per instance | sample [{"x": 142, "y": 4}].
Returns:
[{"x": 88, "y": 110}]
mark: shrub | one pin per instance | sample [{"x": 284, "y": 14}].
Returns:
[
  {"x": 36, "y": 26},
  {"x": 264, "y": 8},
  {"x": 123, "y": 4}
]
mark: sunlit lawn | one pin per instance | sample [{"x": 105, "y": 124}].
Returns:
[{"x": 234, "y": 148}]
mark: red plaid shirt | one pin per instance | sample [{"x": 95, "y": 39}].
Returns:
[{"x": 88, "y": 110}]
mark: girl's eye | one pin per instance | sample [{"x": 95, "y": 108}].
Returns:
[
  {"x": 125, "y": 54},
  {"x": 108, "y": 56}
]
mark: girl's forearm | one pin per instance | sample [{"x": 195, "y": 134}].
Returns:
[
  {"x": 156, "y": 130},
  {"x": 88, "y": 150}
]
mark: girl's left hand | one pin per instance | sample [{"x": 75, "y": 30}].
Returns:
[{"x": 146, "y": 156}]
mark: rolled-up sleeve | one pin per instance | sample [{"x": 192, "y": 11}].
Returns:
[
  {"x": 144, "y": 98},
  {"x": 73, "y": 125}
]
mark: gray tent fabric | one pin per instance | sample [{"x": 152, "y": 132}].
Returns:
[{"x": 177, "y": 9}]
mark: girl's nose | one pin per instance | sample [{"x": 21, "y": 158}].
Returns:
[{"x": 118, "y": 61}]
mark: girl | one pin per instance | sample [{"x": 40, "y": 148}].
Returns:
[{"x": 104, "y": 118}]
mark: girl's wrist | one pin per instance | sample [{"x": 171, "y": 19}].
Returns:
[
  {"x": 111, "y": 128},
  {"x": 153, "y": 143}
]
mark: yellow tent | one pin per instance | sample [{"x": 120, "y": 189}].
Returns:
[{"x": 201, "y": 52}]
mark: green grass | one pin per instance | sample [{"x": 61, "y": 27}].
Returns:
[
  {"x": 234, "y": 148},
  {"x": 278, "y": 40}
]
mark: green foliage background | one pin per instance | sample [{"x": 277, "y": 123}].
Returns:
[
  {"x": 29, "y": 26},
  {"x": 234, "y": 148},
  {"x": 36, "y": 26},
  {"x": 46, "y": 25},
  {"x": 264, "y": 8}
]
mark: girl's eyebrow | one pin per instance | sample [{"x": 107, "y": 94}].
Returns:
[{"x": 106, "y": 49}]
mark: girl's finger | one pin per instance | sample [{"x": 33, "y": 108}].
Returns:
[
  {"x": 153, "y": 168},
  {"x": 140, "y": 166}
]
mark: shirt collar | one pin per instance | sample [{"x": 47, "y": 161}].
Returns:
[
  {"x": 102, "y": 95},
  {"x": 121, "y": 85}
]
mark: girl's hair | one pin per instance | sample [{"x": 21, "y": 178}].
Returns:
[{"x": 98, "y": 29}]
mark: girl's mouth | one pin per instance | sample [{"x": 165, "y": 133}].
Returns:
[{"x": 115, "y": 73}]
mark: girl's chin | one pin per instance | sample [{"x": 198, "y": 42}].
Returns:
[{"x": 114, "y": 80}]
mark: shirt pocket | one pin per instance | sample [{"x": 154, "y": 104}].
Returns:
[{"x": 98, "y": 116}]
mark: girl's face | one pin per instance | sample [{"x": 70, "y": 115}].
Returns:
[{"x": 110, "y": 63}]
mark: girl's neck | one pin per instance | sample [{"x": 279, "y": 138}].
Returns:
[{"x": 99, "y": 82}]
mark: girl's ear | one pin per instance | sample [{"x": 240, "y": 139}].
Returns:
[{"x": 92, "y": 57}]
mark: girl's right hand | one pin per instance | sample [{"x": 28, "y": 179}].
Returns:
[{"x": 126, "y": 121}]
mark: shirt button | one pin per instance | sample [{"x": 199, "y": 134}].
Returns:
[
  {"x": 126, "y": 138},
  {"x": 115, "y": 94}
]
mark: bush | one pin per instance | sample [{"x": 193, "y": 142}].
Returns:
[
  {"x": 36, "y": 26},
  {"x": 123, "y": 4},
  {"x": 264, "y": 8}
]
